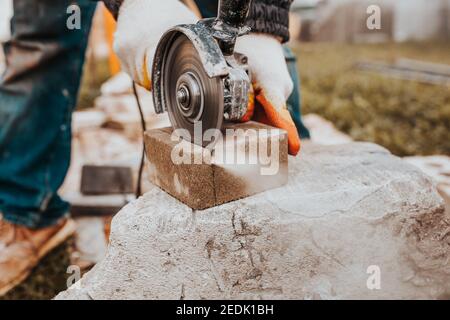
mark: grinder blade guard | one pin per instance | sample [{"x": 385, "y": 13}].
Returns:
[{"x": 198, "y": 78}]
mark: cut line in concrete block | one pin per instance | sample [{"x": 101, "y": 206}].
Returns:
[{"x": 247, "y": 159}]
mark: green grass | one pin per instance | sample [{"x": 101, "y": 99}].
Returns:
[{"x": 407, "y": 117}]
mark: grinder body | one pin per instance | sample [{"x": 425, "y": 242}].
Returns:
[{"x": 197, "y": 76}]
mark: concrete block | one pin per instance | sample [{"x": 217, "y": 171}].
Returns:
[{"x": 247, "y": 159}]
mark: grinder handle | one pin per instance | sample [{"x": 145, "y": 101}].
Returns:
[
  {"x": 234, "y": 12},
  {"x": 231, "y": 19}
]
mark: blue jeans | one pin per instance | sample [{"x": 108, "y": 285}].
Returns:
[
  {"x": 295, "y": 102},
  {"x": 37, "y": 96}
]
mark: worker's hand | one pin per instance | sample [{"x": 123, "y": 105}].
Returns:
[
  {"x": 140, "y": 26},
  {"x": 272, "y": 84}
]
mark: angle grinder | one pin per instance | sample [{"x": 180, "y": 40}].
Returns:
[{"x": 198, "y": 78}]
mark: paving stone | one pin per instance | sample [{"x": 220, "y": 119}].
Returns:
[{"x": 241, "y": 164}]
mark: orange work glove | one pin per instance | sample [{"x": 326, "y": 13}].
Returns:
[{"x": 272, "y": 85}]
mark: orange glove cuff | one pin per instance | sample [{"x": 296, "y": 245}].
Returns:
[{"x": 283, "y": 121}]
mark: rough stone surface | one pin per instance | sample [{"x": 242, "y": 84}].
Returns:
[
  {"x": 438, "y": 168},
  {"x": 346, "y": 208},
  {"x": 211, "y": 178}
]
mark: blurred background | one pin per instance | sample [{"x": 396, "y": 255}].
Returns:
[{"x": 389, "y": 86}]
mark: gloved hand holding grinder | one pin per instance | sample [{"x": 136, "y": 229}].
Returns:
[{"x": 141, "y": 24}]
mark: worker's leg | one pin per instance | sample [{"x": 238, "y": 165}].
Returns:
[
  {"x": 294, "y": 102},
  {"x": 37, "y": 95}
]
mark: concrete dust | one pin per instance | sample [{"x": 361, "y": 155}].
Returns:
[{"x": 253, "y": 154}]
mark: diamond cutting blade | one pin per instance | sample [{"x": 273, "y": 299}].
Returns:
[{"x": 194, "y": 101}]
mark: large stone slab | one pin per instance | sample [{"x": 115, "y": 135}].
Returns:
[
  {"x": 354, "y": 222},
  {"x": 249, "y": 158}
]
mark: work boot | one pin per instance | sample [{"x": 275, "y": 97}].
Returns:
[{"x": 22, "y": 248}]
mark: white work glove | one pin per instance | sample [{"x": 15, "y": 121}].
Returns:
[
  {"x": 140, "y": 26},
  {"x": 272, "y": 84}
]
